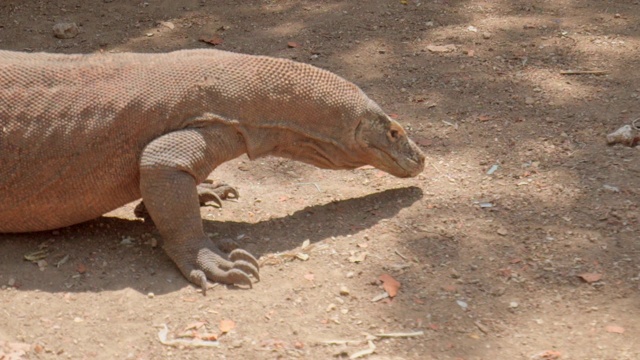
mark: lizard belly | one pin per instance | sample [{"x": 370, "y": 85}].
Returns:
[{"x": 57, "y": 194}]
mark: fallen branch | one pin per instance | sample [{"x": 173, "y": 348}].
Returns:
[
  {"x": 395, "y": 335},
  {"x": 162, "y": 336},
  {"x": 365, "y": 352},
  {"x": 584, "y": 72}
]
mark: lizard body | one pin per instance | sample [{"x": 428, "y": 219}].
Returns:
[{"x": 81, "y": 135}]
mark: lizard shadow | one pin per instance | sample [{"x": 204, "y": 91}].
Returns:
[
  {"x": 315, "y": 223},
  {"x": 111, "y": 253}
]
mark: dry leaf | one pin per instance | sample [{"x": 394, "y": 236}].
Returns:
[
  {"x": 208, "y": 336},
  {"x": 309, "y": 276},
  {"x": 213, "y": 40},
  {"x": 293, "y": 44},
  {"x": 548, "y": 355},
  {"x": 590, "y": 277},
  {"x": 390, "y": 284},
  {"x": 81, "y": 268},
  {"x": 227, "y": 325},
  {"x": 615, "y": 329}
]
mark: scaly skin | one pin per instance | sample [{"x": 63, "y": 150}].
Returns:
[{"x": 81, "y": 135}]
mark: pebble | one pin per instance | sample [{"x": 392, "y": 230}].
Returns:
[
  {"x": 502, "y": 231},
  {"x": 529, "y": 100},
  {"x": 344, "y": 291},
  {"x": 611, "y": 188},
  {"x": 65, "y": 30},
  {"x": 462, "y": 304},
  {"x": 126, "y": 241},
  {"x": 513, "y": 304},
  {"x": 11, "y": 282},
  {"x": 486, "y": 35},
  {"x": 151, "y": 295}
]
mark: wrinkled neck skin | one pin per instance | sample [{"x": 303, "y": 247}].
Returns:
[{"x": 289, "y": 141}]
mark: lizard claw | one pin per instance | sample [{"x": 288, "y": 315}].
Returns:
[
  {"x": 210, "y": 191},
  {"x": 238, "y": 255},
  {"x": 247, "y": 268},
  {"x": 209, "y": 265}
]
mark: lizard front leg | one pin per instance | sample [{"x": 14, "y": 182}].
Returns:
[{"x": 170, "y": 168}]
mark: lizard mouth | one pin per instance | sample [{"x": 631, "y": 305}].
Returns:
[{"x": 401, "y": 167}]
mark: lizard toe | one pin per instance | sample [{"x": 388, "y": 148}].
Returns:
[
  {"x": 199, "y": 278},
  {"x": 214, "y": 192},
  {"x": 247, "y": 268},
  {"x": 240, "y": 254},
  {"x": 230, "y": 277},
  {"x": 220, "y": 188},
  {"x": 206, "y": 198}
]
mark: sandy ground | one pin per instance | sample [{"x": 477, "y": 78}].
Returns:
[{"x": 538, "y": 260}]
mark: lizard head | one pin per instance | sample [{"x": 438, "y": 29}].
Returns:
[{"x": 386, "y": 146}]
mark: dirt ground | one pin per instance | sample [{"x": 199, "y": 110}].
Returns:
[{"x": 538, "y": 260}]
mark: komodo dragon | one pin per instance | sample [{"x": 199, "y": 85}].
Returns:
[{"x": 81, "y": 135}]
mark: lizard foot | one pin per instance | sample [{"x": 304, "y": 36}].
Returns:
[
  {"x": 215, "y": 191},
  {"x": 209, "y": 265},
  {"x": 208, "y": 192}
]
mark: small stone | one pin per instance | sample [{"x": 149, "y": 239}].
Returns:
[
  {"x": 611, "y": 188},
  {"x": 502, "y": 232},
  {"x": 11, "y": 282},
  {"x": 486, "y": 35},
  {"x": 624, "y": 135},
  {"x": 462, "y": 304},
  {"x": 42, "y": 264},
  {"x": 127, "y": 241},
  {"x": 513, "y": 304},
  {"x": 151, "y": 295},
  {"x": 344, "y": 291},
  {"x": 350, "y": 274},
  {"x": 65, "y": 30},
  {"x": 237, "y": 343},
  {"x": 529, "y": 100},
  {"x": 331, "y": 307}
]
